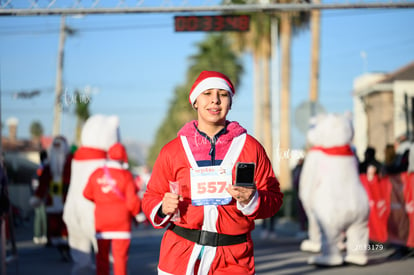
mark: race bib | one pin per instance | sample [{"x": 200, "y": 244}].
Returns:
[{"x": 208, "y": 185}]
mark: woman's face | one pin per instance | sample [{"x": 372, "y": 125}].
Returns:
[
  {"x": 371, "y": 170},
  {"x": 212, "y": 106}
]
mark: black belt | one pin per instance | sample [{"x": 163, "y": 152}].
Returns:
[{"x": 203, "y": 237}]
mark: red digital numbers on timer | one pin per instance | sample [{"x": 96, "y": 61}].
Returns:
[{"x": 212, "y": 23}]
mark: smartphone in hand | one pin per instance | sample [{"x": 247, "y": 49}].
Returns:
[{"x": 245, "y": 174}]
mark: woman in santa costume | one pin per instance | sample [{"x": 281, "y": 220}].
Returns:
[
  {"x": 192, "y": 191},
  {"x": 113, "y": 190}
]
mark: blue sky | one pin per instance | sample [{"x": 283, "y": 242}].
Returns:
[{"x": 132, "y": 63}]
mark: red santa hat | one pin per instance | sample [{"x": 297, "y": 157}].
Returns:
[
  {"x": 210, "y": 80},
  {"x": 118, "y": 152}
]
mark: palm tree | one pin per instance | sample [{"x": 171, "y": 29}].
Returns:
[
  {"x": 214, "y": 53},
  {"x": 36, "y": 132},
  {"x": 258, "y": 42},
  {"x": 314, "y": 80},
  {"x": 290, "y": 23},
  {"x": 82, "y": 114},
  {"x": 285, "y": 33}
]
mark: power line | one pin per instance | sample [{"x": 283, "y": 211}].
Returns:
[
  {"x": 8, "y": 10},
  {"x": 15, "y": 91},
  {"x": 28, "y": 29},
  {"x": 86, "y": 29},
  {"x": 132, "y": 110},
  {"x": 361, "y": 12}
]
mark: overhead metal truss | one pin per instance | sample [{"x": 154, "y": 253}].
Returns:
[{"x": 79, "y": 7}]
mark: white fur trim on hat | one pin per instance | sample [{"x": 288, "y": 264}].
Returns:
[{"x": 210, "y": 83}]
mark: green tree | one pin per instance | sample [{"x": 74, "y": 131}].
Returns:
[
  {"x": 82, "y": 113},
  {"x": 36, "y": 132},
  {"x": 214, "y": 53}
]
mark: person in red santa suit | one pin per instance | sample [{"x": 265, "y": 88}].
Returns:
[
  {"x": 113, "y": 190},
  {"x": 67, "y": 170},
  {"x": 192, "y": 192},
  {"x": 56, "y": 227}
]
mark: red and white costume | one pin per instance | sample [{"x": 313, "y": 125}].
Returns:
[
  {"x": 113, "y": 190},
  {"x": 178, "y": 159},
  {"x": 56, "y": 228},
  {"x": 307, "y": 181},
  {"x": 98, "y": 134},
  {"x": 78, "y": 212},
  {"x": 336, "y": 197}
]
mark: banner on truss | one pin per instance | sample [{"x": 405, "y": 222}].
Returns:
[{"x": 391, "y": 200}]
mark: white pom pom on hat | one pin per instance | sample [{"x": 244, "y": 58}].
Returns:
[{"x": 210, "y": 80}]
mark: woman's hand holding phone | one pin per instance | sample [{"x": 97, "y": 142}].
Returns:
[{"x": 242, "y": 194}]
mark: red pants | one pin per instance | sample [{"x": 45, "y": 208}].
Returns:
[
  {"x": 56, "y": 228},
  {"x": 120, "y": 249}
]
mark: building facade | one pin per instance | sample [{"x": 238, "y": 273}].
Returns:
[{"x": 383, "y": 109}]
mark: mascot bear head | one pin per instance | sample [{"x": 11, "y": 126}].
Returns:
[
  {"x": 313, "y": 136},
  {"x": 100, "y": 132},
  {"x": 332, "y": 130}
]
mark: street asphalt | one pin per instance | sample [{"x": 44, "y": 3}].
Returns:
[{"x": 280, "y": 255}]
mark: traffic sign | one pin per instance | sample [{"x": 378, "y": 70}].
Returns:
[{"x": 304, "y": 112}]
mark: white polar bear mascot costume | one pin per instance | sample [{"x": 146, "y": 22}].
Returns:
[
  {"x": 337, "y": 198},
  {"x": 98, "y": 134},
  {"x": 306, "y": 183}
]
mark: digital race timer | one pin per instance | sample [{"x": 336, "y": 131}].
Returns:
[{"x": 212, "y": 23}]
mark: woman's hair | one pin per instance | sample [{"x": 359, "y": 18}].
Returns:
[{"x": 390, "y": 154}]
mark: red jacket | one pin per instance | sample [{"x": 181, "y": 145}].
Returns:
[
  {"x": 173, "y": 165},
  {"x": 45, "y": 179},
  {"x": 116, "y": 201}
]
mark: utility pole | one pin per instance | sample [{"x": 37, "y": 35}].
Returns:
[
  {"x": 1, "y": 121},
  {"x": 258, "y": 98},
  {"x": 275, "y": 93},
  {"x": 57, "y": 110},
  {"x": 314, "y": 73},
  {"x": 285, "y": 43},
  {"x": 267, "y": 102}
]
